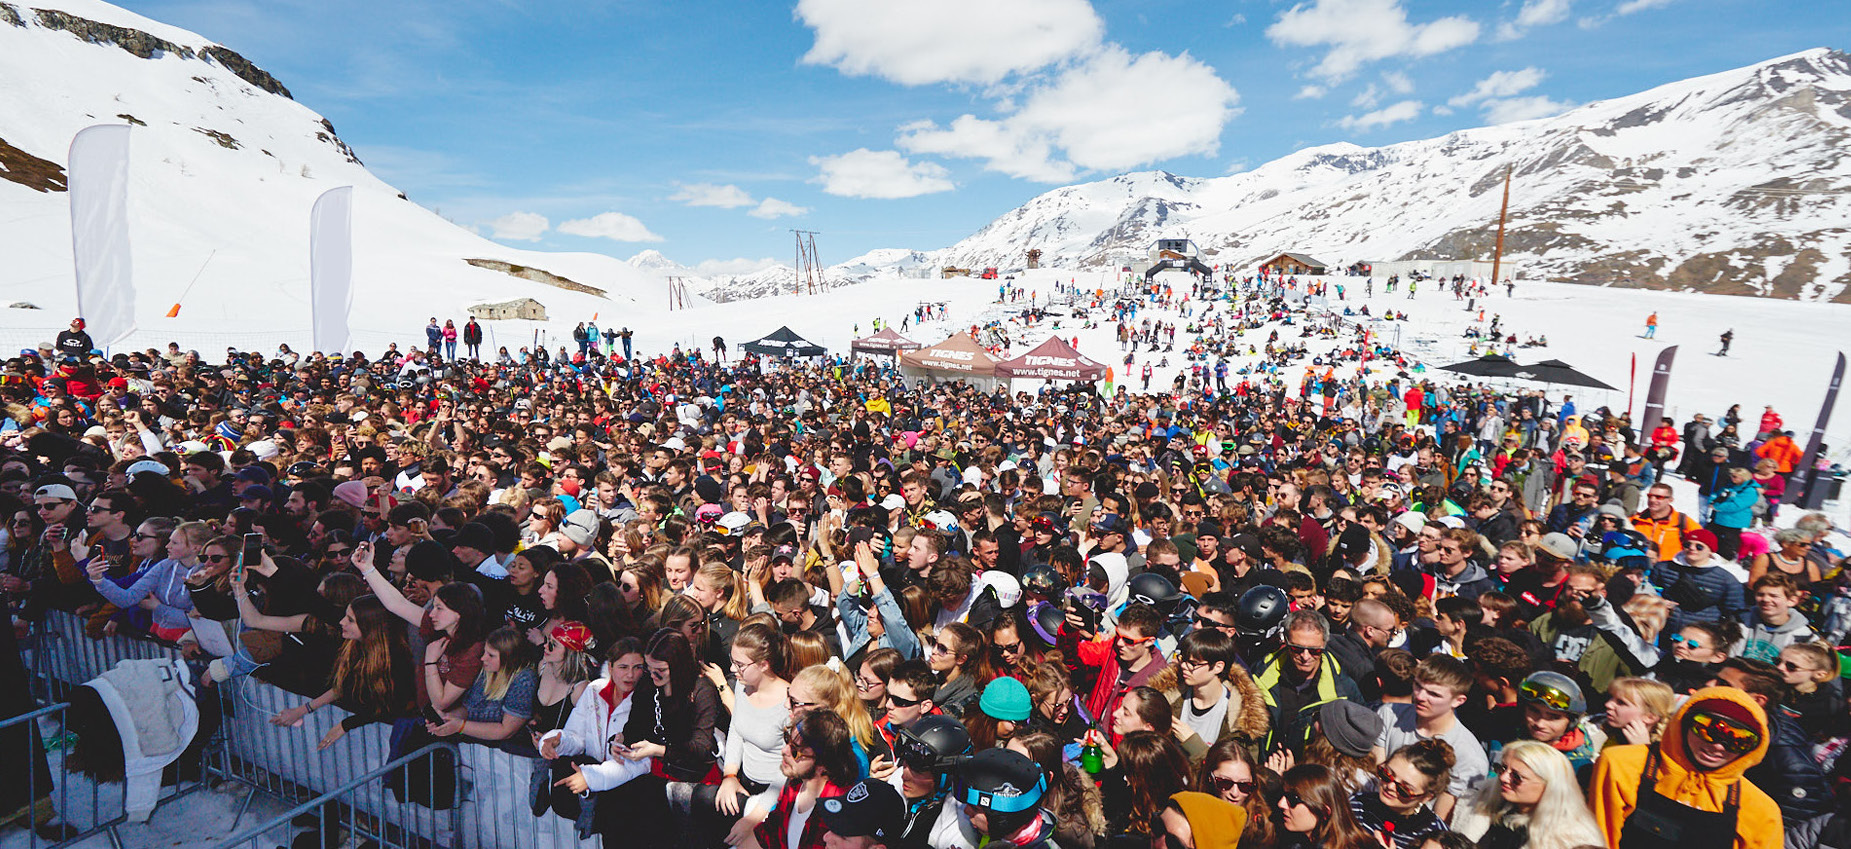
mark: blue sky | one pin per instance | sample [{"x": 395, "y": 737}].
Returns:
[{"x": 707, "y": 130}]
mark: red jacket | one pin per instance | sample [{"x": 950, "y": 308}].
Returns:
[
  {"x": 1101, "y": 657},
  {"x": 773, "y": 832}
]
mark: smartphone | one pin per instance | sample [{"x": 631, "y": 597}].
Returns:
[
  {"x": 253, "y": 552},
  {"x": 432, "y": 716}
]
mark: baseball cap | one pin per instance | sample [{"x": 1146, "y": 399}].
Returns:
[
  {"x": 59, "y": 491},
  {"x": 871, "y": 808}
]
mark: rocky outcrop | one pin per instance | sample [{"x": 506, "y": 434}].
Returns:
[
  {"x": 34, "y": 173},
  {"x": 136, "y": 42},
  {"x": 245, "y": 70},
  {"x": 536, "y": 275}
]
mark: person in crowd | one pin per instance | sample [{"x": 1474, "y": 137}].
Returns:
[
  {"x": 1688, "y": 787},
  {"x": 1535, "y": 802},
  {"x": 1314, "y": 811},
  {"x": 1229, "y": 772},
  {"x": 1404, "y": 786}
]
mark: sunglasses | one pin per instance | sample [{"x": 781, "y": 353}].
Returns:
[
  {"x": 1725, "y": 733},
  {"x": 1131, "y": 641},
  {"x": 1507, "y": 775},
  {"x": 896, "y": 701},
  {"x": 1387, "y": 780},
  {"x": 1313, "y": 651},
  {"x": 138, "y": 535},
  {"x": 215, "y": 558},
  {"x": 1691, "y": 642},
  {"x": 1293, "y": 800},
  {"x": 1790, "y": 666},
  {"x": 1223, "y": 785}
]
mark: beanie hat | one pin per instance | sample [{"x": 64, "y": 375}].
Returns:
[
  {"x": 1702, "y": 535},
  {"x": 428, "y": 560},
  {"x": 1215, "y": 822},
  {"x": 352, "y": 493},
  {"x": 474, "y": 535},
  {"x": 1005, "y": 698},
  {"x": 1351, "y": 728}
]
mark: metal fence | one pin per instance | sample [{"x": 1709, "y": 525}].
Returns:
[
  {"x": 364, "y": 809},
  {"x": 342, "y": 784},
  {"x": 83, "y": 807}
]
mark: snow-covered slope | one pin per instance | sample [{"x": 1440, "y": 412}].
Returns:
[
  {"x": 225, "y": 166},
  {"x": 1733, "y": 183}
]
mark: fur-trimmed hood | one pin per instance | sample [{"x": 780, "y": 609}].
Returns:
[{"x": 1249, "y": 724}]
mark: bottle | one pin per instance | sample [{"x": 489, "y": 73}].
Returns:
[{"x": 1092, "y": 760}]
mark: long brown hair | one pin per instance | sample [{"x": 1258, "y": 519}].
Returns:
[
  {"x": 1318, "y": 786},
  {"x": 1155, "y": 767},
  {"x": 1260, "y": 829},
  {"x": 364, "y": 669}
]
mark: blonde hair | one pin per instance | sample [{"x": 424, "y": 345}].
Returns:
[
  {"x": 1653, "y": 697},
  {"x": 732, "y": 586},
  {"x": 1650, "y": 613},
  {"x": 1561, "y": 819},
  {"x": 197, "y": 533},
  {"x": 834, "y": 690},
  {"x": 512, "y": 649}
]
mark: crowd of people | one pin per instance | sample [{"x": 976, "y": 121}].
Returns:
[{"x": 770, "y": 604}]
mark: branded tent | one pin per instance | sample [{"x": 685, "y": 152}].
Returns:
[
  {"x": 784, "y": 342},
  {"x": 885, "y": 342},
  {"x": 956, "y": 358},
  {"x": 1052, "y": 360}
]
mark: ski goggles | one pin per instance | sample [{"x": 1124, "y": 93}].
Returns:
[
  {"x": 1545, "y": 695},
  {"x": 1724, "y": 732},
  {"x": 913, "y": 752}
]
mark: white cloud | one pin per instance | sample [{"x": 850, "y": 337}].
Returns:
[
  {"x": 1406, "y": 110},
  {"x": 518, "y": 226},
  {"x": 1627, "y": 8},
  {"x": 741, "y": 265},
  {"x": 1074, "y": 122},
  {"x": 774, "y": 208},
  {"x": 1362, "y": 31},
  {"x": 709, "y": 194},
  {"x": 1534, "y": 13},
  {"x": 1398, "y": 82},
  {"x": 1368, "y": 97},
  {"x": 864, "y": 173},
  {"x": 1631, "y": 6},
  {"x": 1507, "y": 110},
  {"x": 958, "y": 41},
  {"x": 615, "y": 226},
  {"x": 1310, "y": 92},
  {"x": 1500, "y": 84}
]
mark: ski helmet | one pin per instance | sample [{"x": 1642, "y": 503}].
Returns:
[
  {"x": 1262, "y": 611},
  {"x": 1045, "y": 620},
  {"x": 1005, "y": 784},
  {"x": 932, "y": 742},
  {"x": 1155, "y": 590},
  {"x": 1043, "y": 581},
  {"x": 1553, "y": 690},
  {"x": 1008, "y": 589}
]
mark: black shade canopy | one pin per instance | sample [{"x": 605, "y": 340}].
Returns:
[
  {"x": 1559, "y": 373},
  {"x": 1489, "y": 365},
  {"x": 784, "y": 342}
]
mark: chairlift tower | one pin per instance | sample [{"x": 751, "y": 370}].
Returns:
[{"x": 809, "y": 271}]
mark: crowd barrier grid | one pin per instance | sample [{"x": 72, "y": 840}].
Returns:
[
  {"x": 284, "y": 762},
  {"x": 363, "y": 809},
  {"x": 83, "y": 806}
]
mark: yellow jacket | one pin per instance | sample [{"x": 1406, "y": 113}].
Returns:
[{"x": 1614, "y": 792}]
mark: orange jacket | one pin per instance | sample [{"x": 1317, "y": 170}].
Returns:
[
  {"x": 1783, "y": 452},
  {"x": 1668, "y": 535},
  {"x": 1614, "y": 792}
]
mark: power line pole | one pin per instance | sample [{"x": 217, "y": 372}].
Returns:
[{"x": 808, "y": 272}]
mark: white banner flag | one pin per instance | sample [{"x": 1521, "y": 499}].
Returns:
[
  {"x": 331, "y": 269},
  {"x": 99, "y": 189}
]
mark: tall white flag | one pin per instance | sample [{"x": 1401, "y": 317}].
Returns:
[
  {"x": 331, "y": 268},
  {"x": 99, "y": 189}
]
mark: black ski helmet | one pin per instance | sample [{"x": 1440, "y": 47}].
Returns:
[
  {"x": 932, "y": 742},
  {"x": 1262, "y": 612},
  {"x": 1005, "y": 784},
  {"x": 1043, "y": 581},
  {"x": 1155, "y": 590}
]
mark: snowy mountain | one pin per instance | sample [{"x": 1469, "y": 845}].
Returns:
[
  {"x": 780, "y": 279},
  {"x": 1733, "y": 183},
  {"x": 225, "y": 166}
]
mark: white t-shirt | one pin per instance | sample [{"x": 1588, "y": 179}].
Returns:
[
  {"x": 1472, "y": 763},
  {"x": 793, "y": 827},
  {"x": 1207, "y": 724}
]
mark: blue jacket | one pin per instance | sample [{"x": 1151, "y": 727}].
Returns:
[
  {"x": 1734, "y": 506},
  {"x": 1714, "y": 593}
]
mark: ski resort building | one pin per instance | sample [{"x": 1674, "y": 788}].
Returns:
[{"x": 1295, "y": 263}]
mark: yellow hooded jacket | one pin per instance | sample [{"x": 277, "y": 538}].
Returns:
[{"x": 1614, "y": 791}]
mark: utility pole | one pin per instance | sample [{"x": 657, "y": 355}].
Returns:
[
  {"x": 1497, "y": 253},
  {"x": 677, "y": 293},
  {"x": 808, "y": 271}
]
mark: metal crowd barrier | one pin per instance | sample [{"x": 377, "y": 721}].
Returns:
[
  {"x": 284, "y": 763},
  {"x": 82, "y": 806},
  {"x": 361, "y": 809}
]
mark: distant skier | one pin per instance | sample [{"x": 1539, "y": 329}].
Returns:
[
  {"x": 719, "y": 349},
  {"x": 1728, "y": 336},
  {"x": 1651, "y": 326}
]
